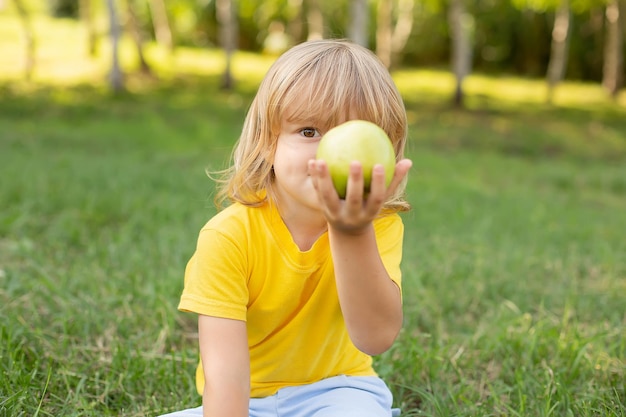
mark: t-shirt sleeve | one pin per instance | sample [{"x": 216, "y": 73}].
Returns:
[
  {"x": 216, "y": 278},
  {"x": 389, "y": 238}
]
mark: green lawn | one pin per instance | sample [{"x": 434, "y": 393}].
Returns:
[{"x": 515, "y": 260}]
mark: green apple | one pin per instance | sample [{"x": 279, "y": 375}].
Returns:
[{"x": 356, "y": 140}]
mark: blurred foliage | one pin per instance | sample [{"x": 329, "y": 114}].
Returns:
[
  {"x": 64, "y": 8},
  {"x": 511, "y": 36}
]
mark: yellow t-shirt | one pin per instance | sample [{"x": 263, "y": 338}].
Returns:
[{"x": 247, "y": 267}]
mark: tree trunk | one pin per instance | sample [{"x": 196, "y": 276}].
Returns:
[
  {"x": 294, "y": 25},
  {"x": 384, "y": 35},
  {"x": 29, "y": 36},
  {"x": 86, "y": 16},
  {"x": 462, "y": 29},
  {"x": 315, "y": 20},
  {"x": 613, "y": 69},
  {"x": 559, "y": 48},
  {"x": 162, "y": 30},
  {"x": 359, "y": 24},
  {"x": 402, "y": 30},
  {"x": 135, "y": 30},
  {"x": 116, "y": 77},
  {"x": 228, "y": 38}
]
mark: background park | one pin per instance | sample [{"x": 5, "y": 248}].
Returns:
[{"x": 515, "y": 259}]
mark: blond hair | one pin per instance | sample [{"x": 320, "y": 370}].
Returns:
[{"x": 324, "y": 81}]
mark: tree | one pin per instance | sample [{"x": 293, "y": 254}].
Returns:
[
  {"x": 391, "y": 37},
  {"x": 29, "y": 36},
  {"x": 86, "y": 16},
  {"x": 462, "y": 27},
  {"x": 161, "y": 23},
  {"x": 228, "y": 37},
  {"x": 294, "y": 19},
  {"x": 116, "y": 77},
  {"x": 358, "y": 29},
  {"x": 135, "y": 30},
  {"x": 613, "y": 68},
  {"x": 384, "y": 22},
  {"x": 402, "y": 29},
  {"x": 559, "y": 48},
  {"x": 315, "y": 20}
]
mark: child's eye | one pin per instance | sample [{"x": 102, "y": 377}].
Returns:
[{"x": 309, "y": 132}]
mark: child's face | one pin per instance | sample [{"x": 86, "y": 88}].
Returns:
[{"x": 297, "y": 144}]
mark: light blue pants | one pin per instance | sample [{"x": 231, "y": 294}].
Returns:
[{"x": 340, "y": 396}]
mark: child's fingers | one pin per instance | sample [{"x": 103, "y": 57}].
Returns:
[
  {"x": 401, "y": 171},
  {"x": 323, "y": 184},
  {"x": 377, "y": 193},
  {"x": 354, "y": 193}
]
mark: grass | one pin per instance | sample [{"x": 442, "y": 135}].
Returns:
[
  {"x": 514, "y": 272},
  {"x": 517, "y": 293}
]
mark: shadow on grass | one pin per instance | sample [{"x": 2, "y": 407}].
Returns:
[
  {"x": 192, "y": 103},
  {"x": 520, "y": 130}
]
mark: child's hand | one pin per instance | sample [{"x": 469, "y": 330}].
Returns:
[{"x": 357, "y": 211}]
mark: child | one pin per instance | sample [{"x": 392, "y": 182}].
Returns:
[{"x": 295, "y": 288}]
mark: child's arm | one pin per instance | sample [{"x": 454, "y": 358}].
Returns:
[
  {"x": 370, "y": 301},
  {"x": 226, "y": 364}
]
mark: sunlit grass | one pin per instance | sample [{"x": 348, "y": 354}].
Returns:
[
  {"x": 508, "y": 91},
  {"x": 534, "y": 91},
  {"x": 424, "y": 84},
  {"x": 62, "y": 63}
]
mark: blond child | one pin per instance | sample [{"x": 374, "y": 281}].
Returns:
[{"x": 296, "y": 288}]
